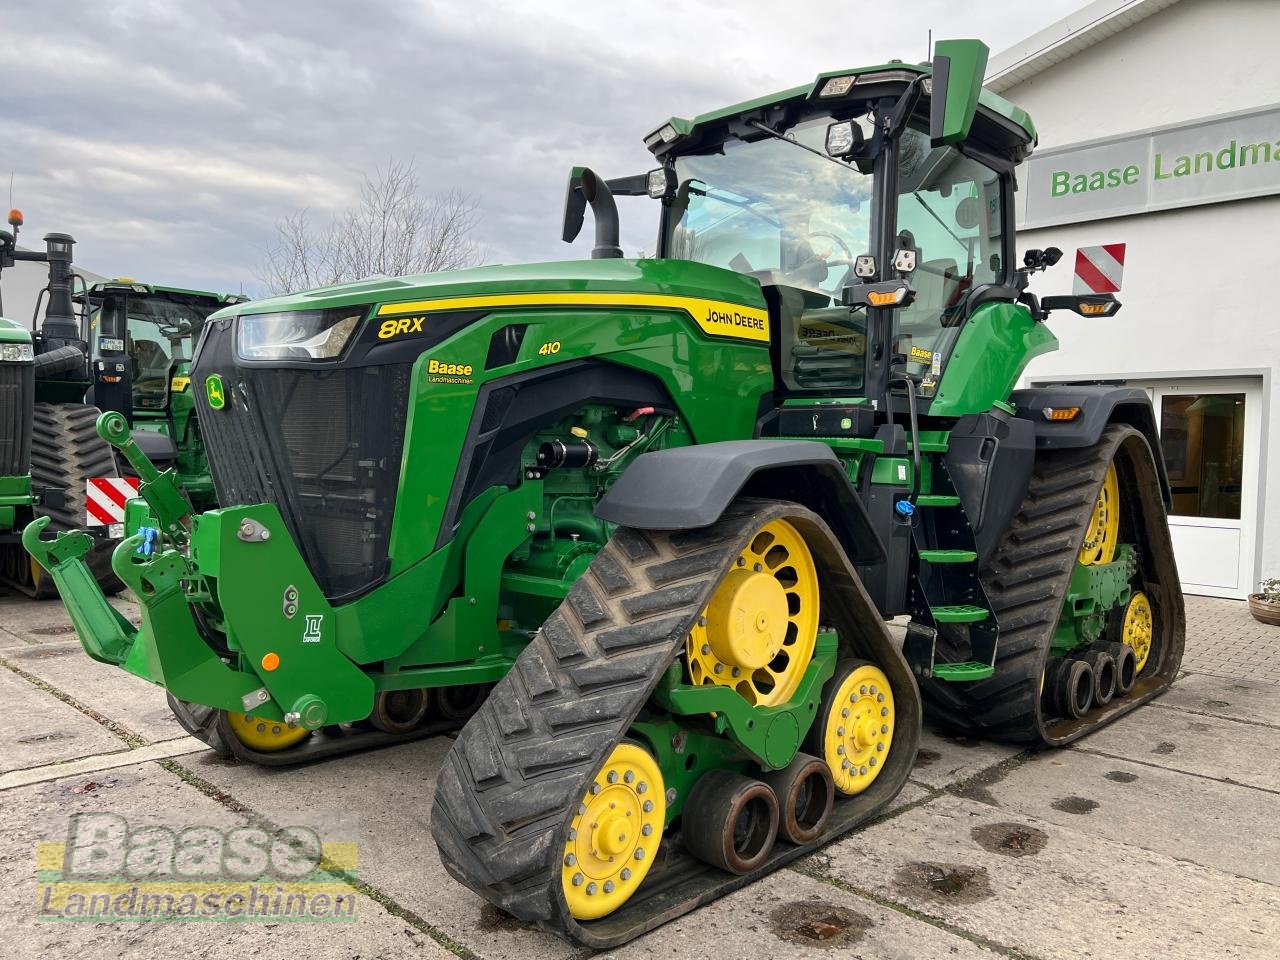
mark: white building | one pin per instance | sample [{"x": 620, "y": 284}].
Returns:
[
  {"x": 22, "y": 284},
  {"x": 1159, "y": 128}
]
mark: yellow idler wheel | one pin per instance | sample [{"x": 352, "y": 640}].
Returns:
[
  {"x": 854, "y": 732},
  {"x": 264, "y": 736},
  {"x": 758, "y": 632},
  {"x": 613, "y": 839},
  {"x": 1138, "y": 629},
  {"x": 1103, "y": 532}
]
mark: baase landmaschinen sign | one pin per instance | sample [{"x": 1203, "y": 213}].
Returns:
[{"x": 1205, "y": 161}]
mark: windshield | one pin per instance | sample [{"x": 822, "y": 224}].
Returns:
[
  {"x": 774, "y": 211},
  {"x": 159, "y": 332}
]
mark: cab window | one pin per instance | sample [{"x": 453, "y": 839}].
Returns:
[{"x": 950, "y": 211}]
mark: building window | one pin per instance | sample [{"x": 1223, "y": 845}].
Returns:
[{"x": 1203, "y": 440}]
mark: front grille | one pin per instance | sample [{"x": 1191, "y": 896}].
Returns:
[
  {"x": 17, "y": 401},
  {"x": 323, "y": 445}
]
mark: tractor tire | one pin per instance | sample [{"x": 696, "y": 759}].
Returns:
[
  {"x": 58, "y": 361},
  {"x": 65, "y": 452},
  {"x": 1026, "y": 581},
  {"x": 513, "y": 781}
]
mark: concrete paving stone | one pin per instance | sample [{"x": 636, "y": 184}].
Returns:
[
  {"x": 1203, "y": 745},
  {"x": 396, "y": 789},
  {"x": 791, "y": 915},
  {"x": 1221, "y": 697},
  {"x": 38, "y": 729},
  {"x": 150, "y": 796},
  {"x": 390, "y": 792},
  {"x": 945, "y": 758},
  {"x": 46, "y": 621},
  {"x": 130, "y": 701},
  {"x": 1053, "y": 892},
  {"x": 1191, "y": 818},
  {"x": 99, "y": 762}
]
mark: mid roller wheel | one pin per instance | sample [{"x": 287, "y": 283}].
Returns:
[{"x": 730, "y": 821}]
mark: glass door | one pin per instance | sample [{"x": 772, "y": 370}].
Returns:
[{"x": 1209, "y": 435}]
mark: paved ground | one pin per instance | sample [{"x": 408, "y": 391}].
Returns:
[{"x": 1158, "y": 837}]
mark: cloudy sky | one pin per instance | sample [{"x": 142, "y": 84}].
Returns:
[{"x": 169, "y": 136}]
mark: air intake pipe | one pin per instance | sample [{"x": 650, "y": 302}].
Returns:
[
  {"x": 587, "y": 188},
  {"x": 59, "y": 316}
]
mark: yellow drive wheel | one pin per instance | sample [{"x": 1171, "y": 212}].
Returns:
[
  {"x": 264, "y": 736},
  {"x": 614, "y": 838},
  {"x": 757, "y": 634},
  {"x": 1103, "y": 532},
  {"x": 854, "y": 732},
  {"x": 1138, "y": 629}
]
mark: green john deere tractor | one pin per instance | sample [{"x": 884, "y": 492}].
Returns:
[
  {"x": 144, "y": 337},
  {"x": 116, "y": 345},
  {"x": 644, "y": 521},
  {"x": 49, "y": 447}
]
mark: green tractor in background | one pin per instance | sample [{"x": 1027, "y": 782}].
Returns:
[
  {"x": 146, "y": 351},
  {"x": 113, "y": 346},
  {"x": 48, "y": 444},
  {"x": 644, "y": 521}
]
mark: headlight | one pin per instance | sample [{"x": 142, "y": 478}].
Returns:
[
  {"x": 16, "y": 353},
  {"x": 837, "y": 86},
  {"x": 297, "y": 335}
]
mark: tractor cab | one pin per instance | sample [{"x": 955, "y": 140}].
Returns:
[
  {"x": 143, "y": 339},
  {"x": 874, "y": 207}
]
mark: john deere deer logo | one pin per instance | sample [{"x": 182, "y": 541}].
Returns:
[{"x": 213, "y": 390}]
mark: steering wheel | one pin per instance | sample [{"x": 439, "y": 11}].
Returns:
[{"x": 848, "y": 254}]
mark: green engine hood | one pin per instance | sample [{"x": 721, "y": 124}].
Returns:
[{"x": 677, "y": 278}]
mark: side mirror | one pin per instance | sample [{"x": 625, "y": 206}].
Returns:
[{"x": 958, "y": 69}]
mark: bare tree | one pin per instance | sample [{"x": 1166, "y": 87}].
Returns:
[{"x": 394, "y": 230}]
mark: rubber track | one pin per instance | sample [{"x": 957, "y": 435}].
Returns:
[
  {"x": 65, "y": 451},
  {"x": 1026, "y": 582},
  {"x": 513, "y": 780},
  {"x": 208, "y": 724}
]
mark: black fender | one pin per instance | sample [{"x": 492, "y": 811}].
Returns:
[
  {"x": 1099, "y": 405},
  {"x": 689, "y": 487}
]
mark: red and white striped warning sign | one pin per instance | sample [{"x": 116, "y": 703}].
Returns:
[
  {"x": 1099, "y": 269},
  {"x": 105, "y": 499}
]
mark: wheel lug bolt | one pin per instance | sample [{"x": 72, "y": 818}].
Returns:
[
  {"x": 880, "y": 747},
  {"x": 629, "y": 776},
  {"x": 884, "y": 728},
  {"x": 570, "y": 860},
  {"x": 647, "y": 830},
  {"x": 626, "y": 873},
  {"x": 880, "y": 698},
  {"x": 608, "y": 884},
  {"x": 639, "y": 853},
  {"x": 706, "y": 649},
  {"x": 648, "y": 806},
  {"x": 577, "y": 879},
  {"x": 591, "y": 889},
  {"x": 642, "y": 787},
  {"x": 613, "y": 776}
]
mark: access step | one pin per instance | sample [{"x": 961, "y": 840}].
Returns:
[
  {"x": 960, "y": 613},
  {"x": 948, "y": 556},
  {"x": 937, "y": 500},
  {"x": 968, "y": 671}
]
